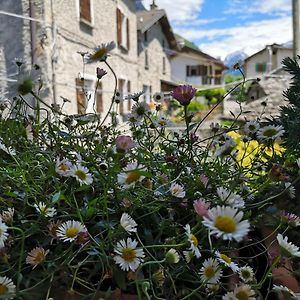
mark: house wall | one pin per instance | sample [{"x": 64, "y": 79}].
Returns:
[
  {"x": 263, "y": 57},
  {"x": 154, "y": 74},
  {"x": 183, "y": 59},
  {"x": 73, "y": 36}
]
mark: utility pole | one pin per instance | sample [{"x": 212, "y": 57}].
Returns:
[{"x": 296, "y": 31}]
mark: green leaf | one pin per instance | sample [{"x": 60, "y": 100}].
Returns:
[{"x": 120, "y": 278}]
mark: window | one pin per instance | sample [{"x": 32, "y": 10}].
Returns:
[
  {"x": 85, "y": 11},
  {"x": 147, "y": 92},
  {"x": 121, "y": 88},
  {"x": 146, "y": 60},
  {"x": 99, "y": 99},
  {"x": 164, "y": 65},
  {"x": 198, "y": 70},
  {"x": 87, "y": 99},
  {"x": 163, "y": 43},
  {"x": 146, "y": 36},
  {"x": 129, "y": 100},
  {"x": 80, "y": 96},
  {"x": 122, "y": 30},
  {"x": 261, "y": 67}
]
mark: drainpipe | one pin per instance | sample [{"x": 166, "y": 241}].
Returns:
[
  {"x": 32, "y": 32},
  {"x": 53, "y": 54},
  {"x": 296, "y": 33}
]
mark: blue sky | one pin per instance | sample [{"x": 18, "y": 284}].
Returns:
[{"x": 220, "y": 27}]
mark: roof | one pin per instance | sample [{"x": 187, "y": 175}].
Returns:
[
  {"x": 273, "y": 46},
  {"x": 187, "y": 45},
  {"x": 147, "y": 18}
]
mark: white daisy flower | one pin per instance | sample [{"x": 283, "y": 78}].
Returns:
[
  {"x": 270, "y": 133},
  {"x": 63, "y": 167},
  {"x": 69, "y": 230},
  {"x": 177, "y": 190},
  {"x": 251, "y": 127},
  {"x": 211, "y": 271},
  {"x": 139, "y": 110},
  {"x": 36, "y": 256},
  {"x": 3, "y": 233},
  {"x": 229, "y": 296},
  {"x": 226, "y": 260},
  {"x": 6, "y": 149},
  {"x": 8, "y": 215},
  {"x": 100, "y": 53},
  {"x": 130, "y": 175},
  {"x": 44, "y": 210},
  {"x": 285, "y": 290},
  {"x": 232, "y": 199},
  {"x": 244, "y": 292},
  {"x": 188, "y": 256},
  {"x": 159, "y": 97},
  {"x": 246, "y": 274},
  {"x": 291, "y": 190},
  {"x": 172, "y": 256},
  {"x": 225, "y": 222},
  {"x": 193, "y": 240},
  {"x": 7, "y": 288},
  {"x": 298, "y": 162},
  {"x": 288, "y": 248},
  {"x": 128, "y": 223},
  {"x": 128, "y": 257},
  {"x": 162, "y": 122},
  {"x": 81, "y": 174},
  {"x": 225, "y": 148}
]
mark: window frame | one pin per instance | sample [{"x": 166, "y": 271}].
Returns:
[{"x": 82, "y": 20}]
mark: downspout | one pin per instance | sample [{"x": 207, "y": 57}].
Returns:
[
  {"x": 53, "y": 54},
  {"x": 32, "y": 31}
]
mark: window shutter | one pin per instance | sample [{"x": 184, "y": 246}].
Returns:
[
  {"x": 99, "y": 99},
  {"x": 187, "y": 70},
  {"x": 119, "y": 27},
  {"x": 80, "y": 96},
  {"x": 127, "y": 33},
  {"x": 129, "y": 100},
  {"x": 85, "y": 10}
]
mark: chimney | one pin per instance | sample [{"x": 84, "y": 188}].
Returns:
[{"x": 153, "y": 5}]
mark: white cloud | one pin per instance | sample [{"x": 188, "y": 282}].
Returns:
[
  {"x": 178, "y": 11},
  {"x": 259, "y": 6},
  {"x": 250, "y": 37}
]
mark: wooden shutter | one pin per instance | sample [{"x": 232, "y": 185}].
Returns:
[
  {"x": 119, "y": 27},
  {"x": 121, "y": 89},
  {"x": 99, "y": 99},
  {"x": 127, "y": 33},
  {"x": 85, "y": 10},
  {"x": 80, "y": 96},
  {"x": 129, "y": 100},
  {"x": 187, "y": 70}
]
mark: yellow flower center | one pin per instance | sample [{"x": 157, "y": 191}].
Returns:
[
  {"x": 63, "y": 167},
  {"x": 99, "y": 54},
  {"x": 132, "y": 177},
  {"x": 209, "y": 272},
  {"x": 128, "y": 254},
  {"x": 44, "y": 210},
  {"x": 71, "y": 232},
  {"x": 270, "y": 132},
  {"x": 245, "y": 274},
  {"x": 80, "y": 174},
  {"x": 162, "y": 122},
  {"x": 242, "y": 295},
  {"x": 226, "y": 258},
  {"x": 194, "y": 240},
  {"x": 3, "y": 289},
  {"x": 226, "y": 224},
  {"x": 39, "y": 257}
]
